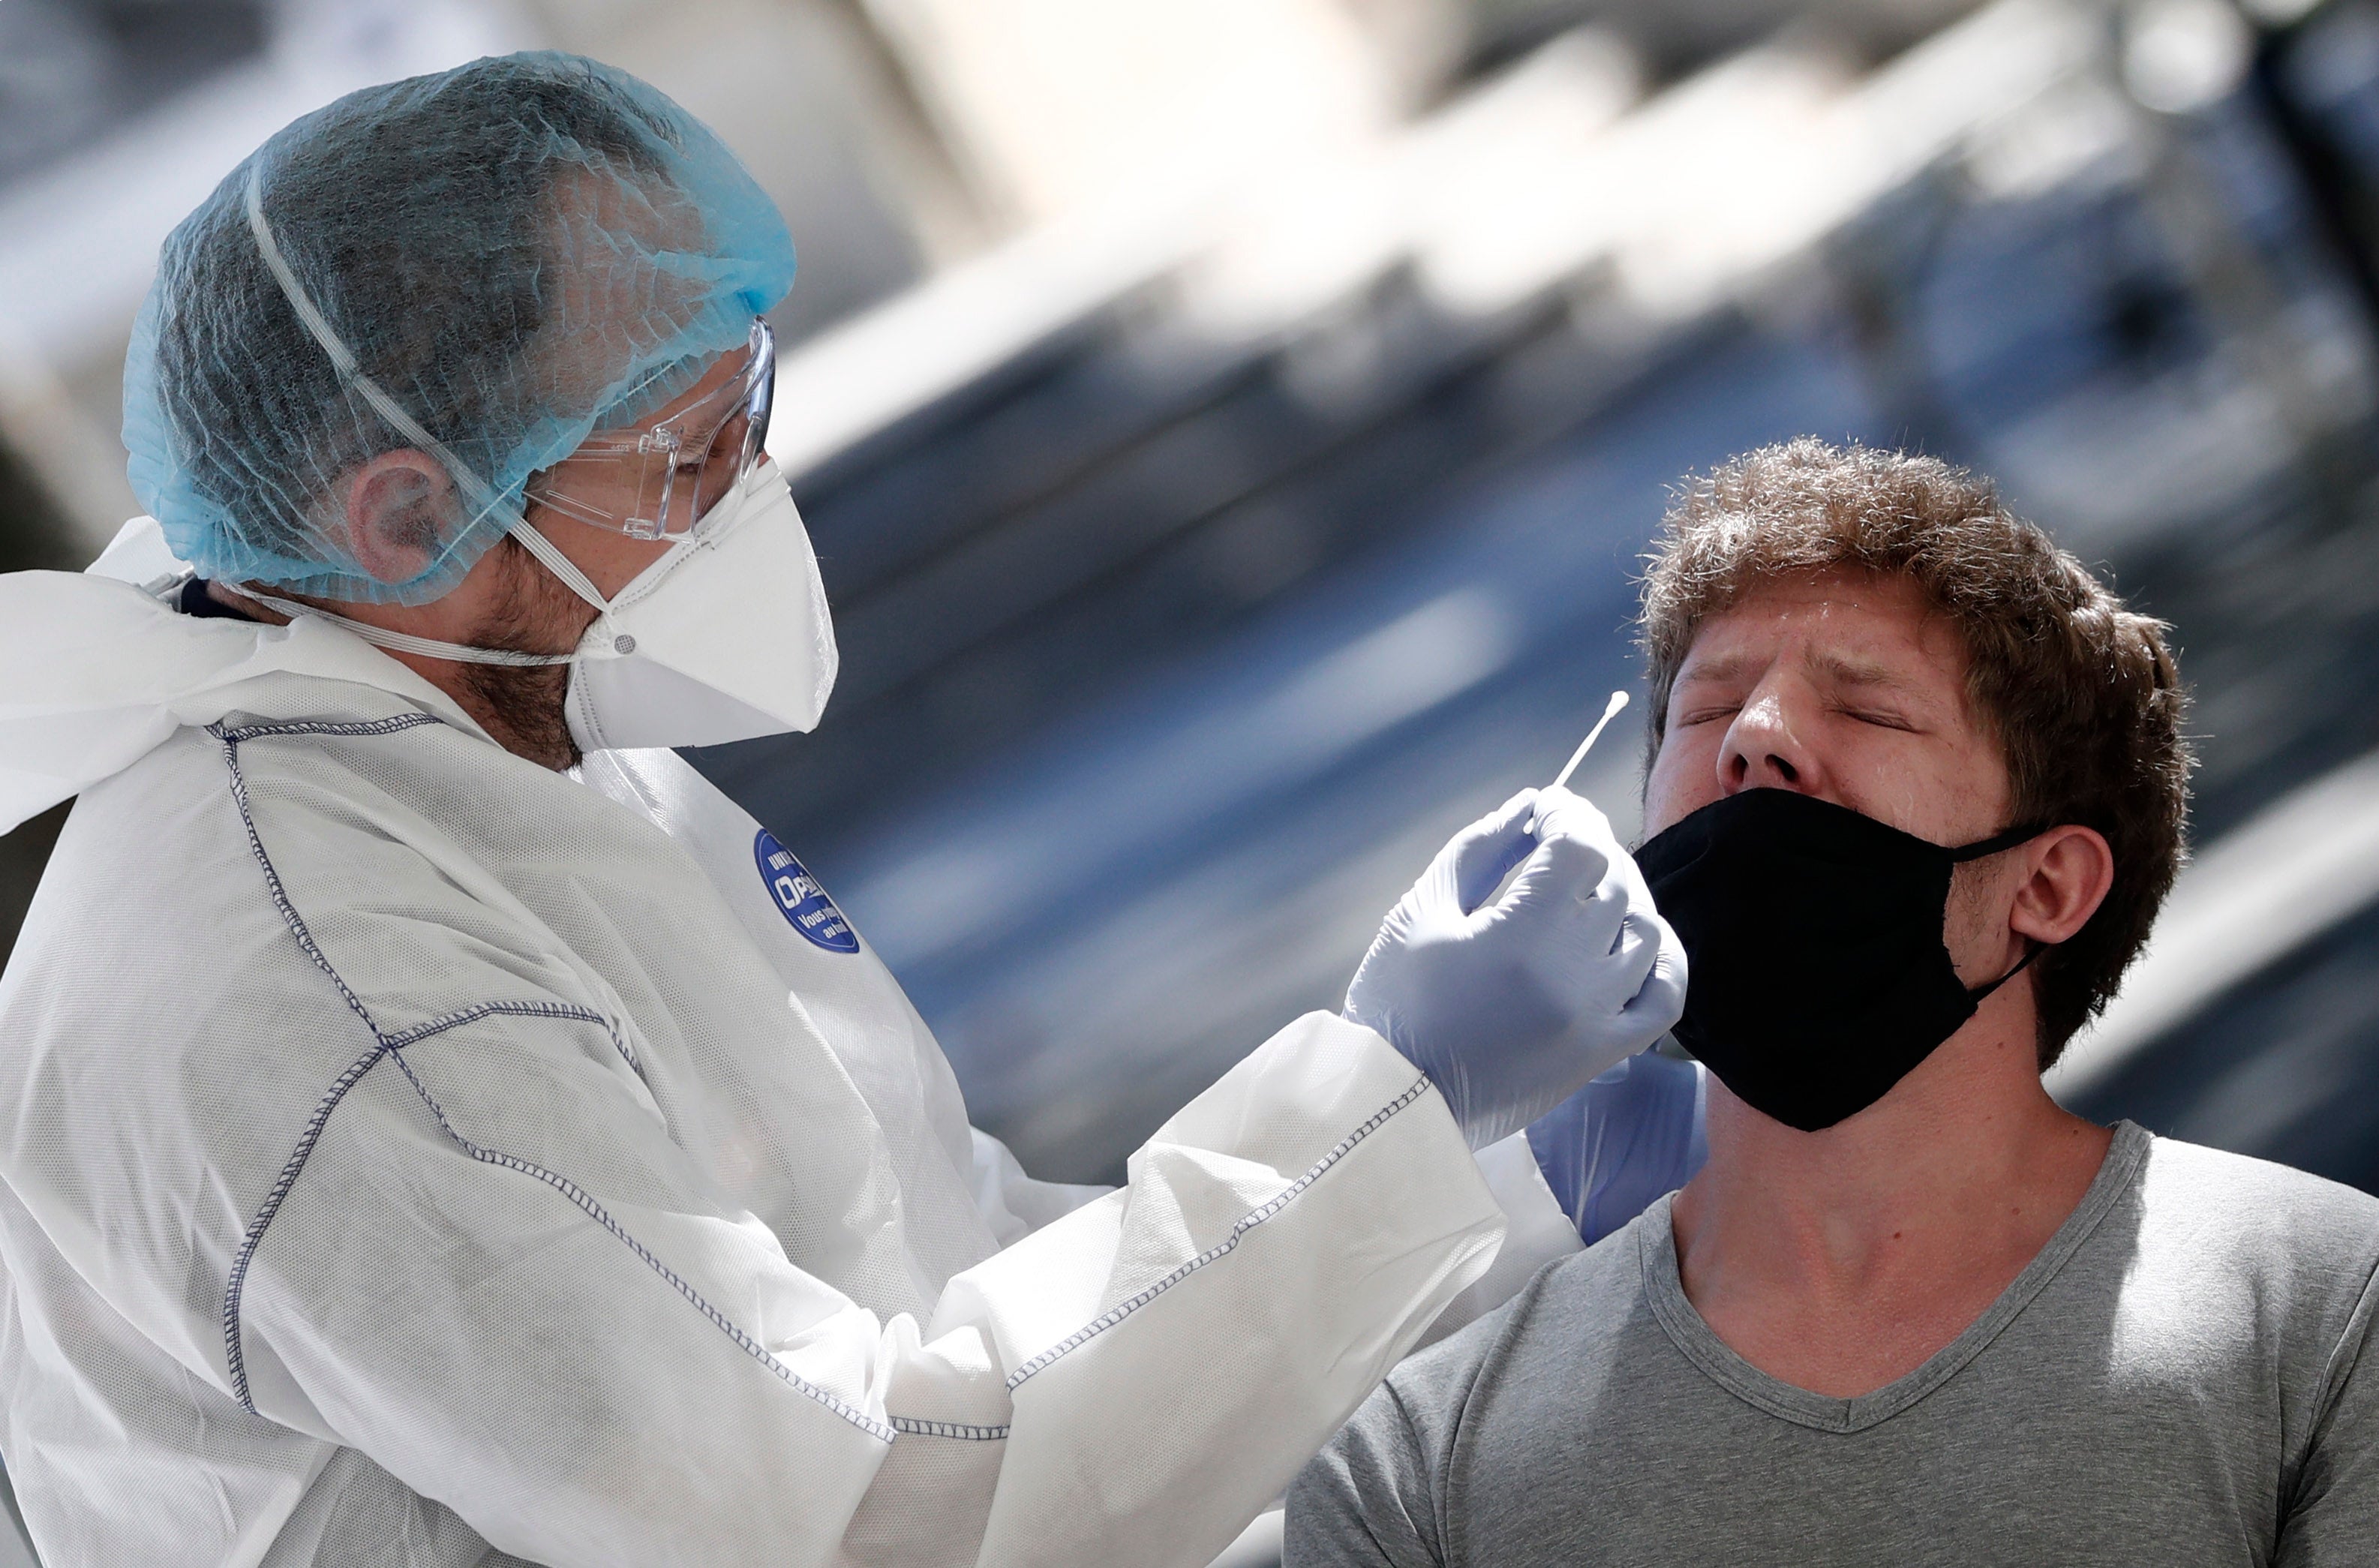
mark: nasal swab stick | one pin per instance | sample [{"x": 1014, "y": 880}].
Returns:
[{"x": 1610, "y": 712}]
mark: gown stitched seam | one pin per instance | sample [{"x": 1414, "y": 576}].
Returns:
[
  {"x": 906, "y": 1426},
  {"x": 1246, "y": 1222},
  {"x": 593, "y": 1209},
  {"x": 479, "y": 1011},
  {"x": 384, "y": 1044},
  {"x": 393, "y": 724},
  {"x": 235, "y": 1357},
  {"x": 910, "y": 1426}
]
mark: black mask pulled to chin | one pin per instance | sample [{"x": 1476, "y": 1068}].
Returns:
[{"x": 1813, "y": 939}]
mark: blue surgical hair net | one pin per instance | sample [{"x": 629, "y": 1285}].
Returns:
[{"x": 485, "y": 264}]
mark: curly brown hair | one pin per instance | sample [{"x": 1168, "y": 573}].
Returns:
[{"x": 2082, "y": 693}]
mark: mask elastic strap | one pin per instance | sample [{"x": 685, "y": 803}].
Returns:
[
  {"x": 405, "y": 642},
  {"x": 350, "y": 371},
  {"x": 1992, "y": 846},
  {"x": 2020, "y": 965},
  {"x": 342, "y": 359},
  {"x": 1996, "y": 842},
  {"x": 560, "y": 565}
]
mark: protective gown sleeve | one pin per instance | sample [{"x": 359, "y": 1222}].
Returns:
[
  {"x": 490, "y": 1269},
  {"x": 1536, "y": 1231},
  {"x": 1013, "y": 1204}
]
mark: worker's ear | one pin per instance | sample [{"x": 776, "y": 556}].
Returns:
[
  {"x": 2070, "y": 870},
  {"x": 399, "y": 507}
]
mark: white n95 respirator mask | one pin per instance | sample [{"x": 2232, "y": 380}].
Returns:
[{"x": 727, "y": 637}]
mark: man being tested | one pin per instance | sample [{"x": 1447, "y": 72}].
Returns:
[
  {"x": 418, "y": 1154},
  {"x": 1915, "y": 791}
]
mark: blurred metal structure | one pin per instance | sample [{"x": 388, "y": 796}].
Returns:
[{"x": 1200, "y": 571}]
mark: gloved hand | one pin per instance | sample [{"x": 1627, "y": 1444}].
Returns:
[{"x": 1511, "y": 1006}]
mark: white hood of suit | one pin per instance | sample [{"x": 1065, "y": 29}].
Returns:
[{"x": 102, "y": 669}]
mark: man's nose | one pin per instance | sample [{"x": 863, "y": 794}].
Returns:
[{"x": 1762, "y": 750}]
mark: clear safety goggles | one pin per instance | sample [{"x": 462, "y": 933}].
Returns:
[{"x": 657, "y": 483}]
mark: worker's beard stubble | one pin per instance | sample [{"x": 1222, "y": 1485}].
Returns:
[{"x": 524, "y": 704}]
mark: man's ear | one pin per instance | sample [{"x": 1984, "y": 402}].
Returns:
[
  {"x": 2070, "y": 870},
  {"x": 399, "y": 506}
]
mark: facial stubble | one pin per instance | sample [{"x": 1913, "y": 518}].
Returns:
[{"x": 523, "y": 707}]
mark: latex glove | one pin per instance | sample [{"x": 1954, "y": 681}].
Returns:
[
  {"x": 1511, "y": 1006},
  {"x": 1608, "y": 1149}
]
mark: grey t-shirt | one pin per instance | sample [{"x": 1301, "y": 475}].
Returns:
[{"x": 2185, "y": 1375}]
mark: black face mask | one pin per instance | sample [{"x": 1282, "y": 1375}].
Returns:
[{"x": 1816, "y": 974}]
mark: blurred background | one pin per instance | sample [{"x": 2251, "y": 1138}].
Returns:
[{"x": 1231, "y": 429}]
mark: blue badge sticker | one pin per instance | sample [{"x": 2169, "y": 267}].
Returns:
[{"x": 805, "y": 905}]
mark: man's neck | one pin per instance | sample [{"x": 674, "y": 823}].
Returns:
[{"x": 1838, "y": 1260}]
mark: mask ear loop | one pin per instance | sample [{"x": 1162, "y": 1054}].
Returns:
[
  {"x": 1997, "y": 841},
  {"x": 1992, "y": 846},
  {"x": 2037, "y": 947},
  {"x": 562, "y": 566}
]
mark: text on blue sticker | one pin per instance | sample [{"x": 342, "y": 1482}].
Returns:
[{"x": 798, "y": 896}]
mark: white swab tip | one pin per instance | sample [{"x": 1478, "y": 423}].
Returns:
[{"x": 1610, "y": 710}]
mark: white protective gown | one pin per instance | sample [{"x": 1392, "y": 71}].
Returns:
[{"x": 418, "y": 1157}]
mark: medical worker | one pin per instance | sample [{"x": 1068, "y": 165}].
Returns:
[{"x": 442, "y": 1129}]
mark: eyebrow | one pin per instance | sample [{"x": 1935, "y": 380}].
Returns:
[
  {"x": 1847, "y": 672},
  {"x": 1725, "y": 666}
]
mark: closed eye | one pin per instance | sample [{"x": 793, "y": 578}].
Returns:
[
  {"x": 1705, "y": 715},
  {"x": 1881, "y": 718}
]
